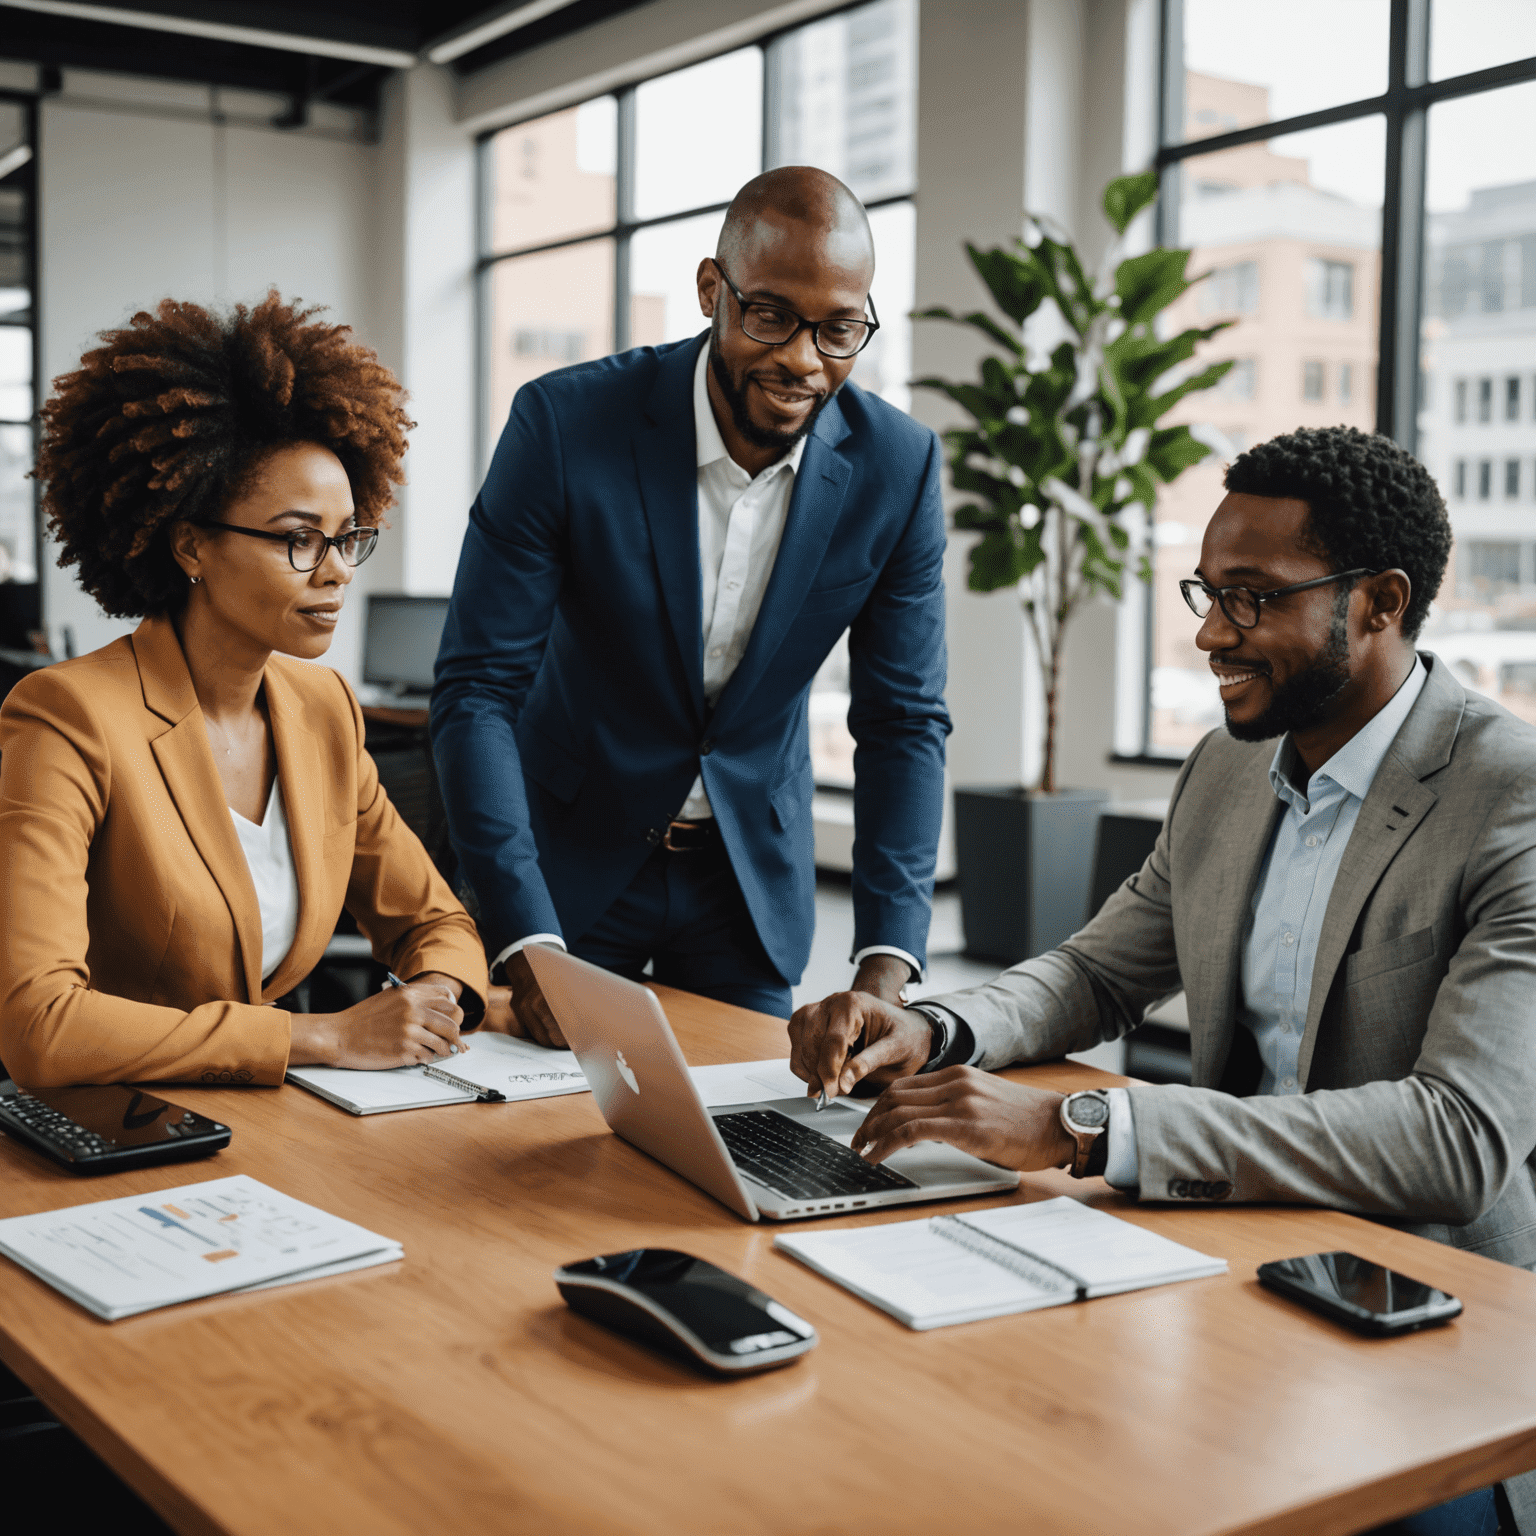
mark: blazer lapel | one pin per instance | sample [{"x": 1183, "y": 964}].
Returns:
[
  {"x": 1221, "y": 917},
  {"x": 666, "y": 454},
  {"x": 186, "y": 763},
  {"x": 302, "y": 779},
  {"x": 1397, "y": 801},
  {"x": 814, "y": 507}
]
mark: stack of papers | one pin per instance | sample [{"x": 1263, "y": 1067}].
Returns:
[
  {"x": 956, "y": 1269},
  {"x": 120, "y": 1257},
  {"x": 497, "y": 1064}
]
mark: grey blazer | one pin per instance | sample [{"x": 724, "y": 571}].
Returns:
[{"x": 1419, "y": 1058}]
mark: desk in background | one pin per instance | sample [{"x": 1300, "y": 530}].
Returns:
[{"x": 456, "y": 1393}]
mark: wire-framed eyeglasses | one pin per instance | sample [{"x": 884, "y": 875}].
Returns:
[
  {"x": 1241, "y": 604},
  {"x": 307, "y": 547},
  {"x": 775, "y": 326}
]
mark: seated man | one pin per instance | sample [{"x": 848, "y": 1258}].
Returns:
[{"x": 1351, "y": 914}]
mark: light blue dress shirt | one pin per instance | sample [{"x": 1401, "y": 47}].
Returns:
[{"x": 1289, "y": 904}]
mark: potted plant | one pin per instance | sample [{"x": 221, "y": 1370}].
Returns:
[{"x": 1063, "y": 446}]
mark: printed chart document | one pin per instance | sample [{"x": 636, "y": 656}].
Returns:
[
  {"x": 495, "y": 1066},
  {"x": 957, "y": 1269},
  {"x": 120, "y": 1257}
]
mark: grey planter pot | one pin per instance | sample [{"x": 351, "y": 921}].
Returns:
[{"x": 1026, "y": 867}]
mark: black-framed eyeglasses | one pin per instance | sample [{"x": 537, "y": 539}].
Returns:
[
  {"x": 1241, "y": 604},
  {"x": 775, "y": 326},
  {"x": 307, "y": 547}
]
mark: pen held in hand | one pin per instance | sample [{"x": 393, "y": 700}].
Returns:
[{"x": 391, "y": 980}]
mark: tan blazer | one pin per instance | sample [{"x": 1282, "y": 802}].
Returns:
[{"x": 130, "y": 948}]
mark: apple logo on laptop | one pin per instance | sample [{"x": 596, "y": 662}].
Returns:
[{"x": 627, "y": 1073}]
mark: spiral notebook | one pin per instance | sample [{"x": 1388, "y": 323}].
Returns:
[{"x": 1017, "y": 1258}]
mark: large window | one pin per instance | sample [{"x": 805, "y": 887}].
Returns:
[
  {"x": 596, "y": 218},
  {"x": 1367, "y": 212},
  {"x": 19, "y": 611}
]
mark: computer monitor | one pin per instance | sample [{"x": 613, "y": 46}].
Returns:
[{"x": 400, "y": 641}]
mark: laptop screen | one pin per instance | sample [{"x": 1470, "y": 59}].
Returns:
[{"x": 400, "y": 641}]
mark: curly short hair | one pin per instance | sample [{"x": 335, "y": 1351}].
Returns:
[
  {"x": 1370, "y": 503},
  {"x": 170, "y": 417}
]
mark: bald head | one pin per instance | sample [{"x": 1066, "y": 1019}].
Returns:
[{"x": 797, "y": 210}]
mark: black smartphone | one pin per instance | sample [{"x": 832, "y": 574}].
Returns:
[
  {"x": 1367, "y": 1297},
  {"x": 107, "y": 1128},
  {"x": 688, "y": 1307}
]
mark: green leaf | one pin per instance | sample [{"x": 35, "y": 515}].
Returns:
[
  {"x": 1003, "y": 559},
  {"x": 1143, "y": 485},
  {"x": 1172, "y": 451},
  {"x": 982, "y": 322},
  {"x": 1014, "y": 280},
  {"x": 1205, "y": 379},
  {"x": 987, "y": 407},
  {"x": 1148, "y": 283},
  {"x": 1126, "y": 196},
  {"x": 977, "y": 519}
]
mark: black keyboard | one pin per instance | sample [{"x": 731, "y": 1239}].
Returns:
[{"x": 797, "y": 1161}]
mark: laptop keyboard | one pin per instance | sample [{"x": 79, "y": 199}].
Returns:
[{"x": 797, "y": 1161}]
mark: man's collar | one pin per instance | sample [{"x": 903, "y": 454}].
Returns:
[
  {"x": 706, "y": 431},
  {"x": 1354, "y": 765}
]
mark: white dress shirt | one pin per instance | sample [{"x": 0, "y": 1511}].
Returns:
[
  {"x": 269, "y": 857},
  {"x": 1285, "y": 921},
  {"x": 741, "y": 522}
]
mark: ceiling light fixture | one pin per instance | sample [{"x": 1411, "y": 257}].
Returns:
[{"x": 479, "y": 34}]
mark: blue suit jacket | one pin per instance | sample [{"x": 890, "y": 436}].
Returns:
[{"x": 568, "y": 716}]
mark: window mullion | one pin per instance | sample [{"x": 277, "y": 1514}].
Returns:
[
  {"x": 625, "y": 203},
  {"x": 1402, "y": 229}
]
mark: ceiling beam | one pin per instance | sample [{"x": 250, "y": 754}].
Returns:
[
  {"x": 257, "y": 37},
  {"x": 486, "y": 29}
]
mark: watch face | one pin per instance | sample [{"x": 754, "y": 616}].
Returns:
[{"x": 1088, "y": 1110}]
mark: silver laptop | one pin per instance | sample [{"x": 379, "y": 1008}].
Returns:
[{"x": 776, "y": 1157}]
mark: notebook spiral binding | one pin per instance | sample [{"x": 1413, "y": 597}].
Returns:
[
  {"x": 1019, "y": 1261},
  {"x": 461, "y": 1084}
]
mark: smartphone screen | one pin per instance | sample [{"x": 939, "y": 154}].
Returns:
[
  {"x": 718, "y": 1307},
  {"x": 1356, "y": 1290}
]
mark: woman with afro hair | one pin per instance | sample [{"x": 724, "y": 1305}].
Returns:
[{"x": 185, "y": 812}]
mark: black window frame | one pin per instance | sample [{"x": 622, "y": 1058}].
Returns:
[
  {"x": 625, "y": 226},
  {"x": 1405, "y": 106}
]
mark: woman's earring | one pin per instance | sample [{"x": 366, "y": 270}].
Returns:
[{"x": 195, "y": 579}]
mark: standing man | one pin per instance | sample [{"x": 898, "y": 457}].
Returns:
[{"x": 667, "y": 546}]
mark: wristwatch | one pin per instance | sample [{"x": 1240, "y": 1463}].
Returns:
[{"x": 1086, "y": 1118}]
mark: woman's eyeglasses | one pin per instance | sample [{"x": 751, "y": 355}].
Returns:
[
  {"x": 307, "y": 547},
  {"x": 1241, "y": 604}
]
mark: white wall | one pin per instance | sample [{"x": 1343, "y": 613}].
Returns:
[{"x": 143, "y": 197}]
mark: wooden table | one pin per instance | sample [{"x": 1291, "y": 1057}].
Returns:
[{"x": 455, "y": 1393}]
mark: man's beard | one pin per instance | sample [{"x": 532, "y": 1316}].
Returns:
[
  {"x": 759, "y": 437},
  {"x": 1300, "y": 703}
]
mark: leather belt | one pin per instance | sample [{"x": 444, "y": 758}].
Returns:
[{"x": 689, "y": 836}]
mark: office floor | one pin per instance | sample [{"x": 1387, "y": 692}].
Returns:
[{"x": 949, "y": 969}]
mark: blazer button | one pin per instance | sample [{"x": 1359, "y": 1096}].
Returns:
[
  {"x": 653, "y": 836},
  {"x": 706, "y": 746}
]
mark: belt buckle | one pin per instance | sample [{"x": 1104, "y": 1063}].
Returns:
[{"x": 672, "y": 847}]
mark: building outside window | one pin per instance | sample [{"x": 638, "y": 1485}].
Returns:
[
  {"x": 1455, "y": 184},
  {"x": 1241, "y": 381},
  {"x": 597, "y": 217},
  {"x": 1231, "y": 290}
]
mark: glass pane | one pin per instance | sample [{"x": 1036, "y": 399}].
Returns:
[
  {"x": 698, "y": 134},
  {"x": 885, "y": 365},
  {"x": 1290, "y": 233},
  {"x": 1476, "y": 34},
  {"x": 1251, "y": 61},
  {"x": 18, "y": 527},
  {"x": 1477, "y": 410},
  {"x": 663, "y": 279},
  {"x": 15, "y": 373},
  {"x": 554, "y": 177},
  {"x": 845, "y": 98},
  {"x": 546, "y": 311}
]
